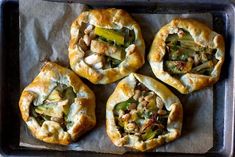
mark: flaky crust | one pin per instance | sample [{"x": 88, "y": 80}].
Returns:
[
  {"x": 203, "y": 36},
  {"x": 82, "y": 110},
  {"x": 110, "y": 19},
  {"x": 125, "y": 90}
]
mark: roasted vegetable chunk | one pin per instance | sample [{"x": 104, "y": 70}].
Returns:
[
  {"x": 143, "y": 115},
  {"x": 186, "y": 56}
]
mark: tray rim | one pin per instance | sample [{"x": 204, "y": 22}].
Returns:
[{"x": 227, "y": 109}]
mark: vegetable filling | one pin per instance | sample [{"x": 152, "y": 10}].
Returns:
[
  {"x": 55, "y": 107},
  {"x": 186, "y": 56},
  {"x": 104, "y": 48},
  {"x": 143, "y": 115}
]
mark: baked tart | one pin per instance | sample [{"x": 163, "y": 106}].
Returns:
[
  {"x": 105, "y": 45},
  {"x": 187, "y": 55},
  {"x": 143, "y": 114},
  {"x": 57, "y": 106}
]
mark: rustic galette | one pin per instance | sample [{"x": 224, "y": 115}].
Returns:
[
  {"x": 105, "y": 45},
  {"x": 187, "y": 55},
  {"x": 57, "y": 106},
  {"x": 143, "y": 114}
]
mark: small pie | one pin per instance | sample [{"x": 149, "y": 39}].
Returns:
[
  {"x": 143, "y": 114},
  {"x": 57, "y": 106},
  {"x": 105, "y": 45},
  {"x": 187, "y": 55}
]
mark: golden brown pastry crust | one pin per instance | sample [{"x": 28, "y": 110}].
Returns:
[
  {"x": 125, "y": 90},
  {"x": 82, "y": 110},
  {"x": 109, "y": 19},
  {"x": 203, "y": 36}
]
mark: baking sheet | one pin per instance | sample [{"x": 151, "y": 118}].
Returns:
[{"x": 44, "y": 35}]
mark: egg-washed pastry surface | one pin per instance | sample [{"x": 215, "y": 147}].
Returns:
[
  {"x": 57, "y": 106},
  {"x": 105, "y": 45},
  {"x": 187, "y": 55},
  {"x": 143, "y": 114}
]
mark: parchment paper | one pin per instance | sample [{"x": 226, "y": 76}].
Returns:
[{"x": 44, "y": 35}]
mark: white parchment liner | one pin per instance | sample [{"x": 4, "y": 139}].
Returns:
[{"x": 44, "y": 35}]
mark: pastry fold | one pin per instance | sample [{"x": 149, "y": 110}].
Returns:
[
  {"x": 57, "y": 106},
  {"x": 142, "y": 113},
  {"x": 195, "y": 61},
  {"x": 105, "y": 45}
]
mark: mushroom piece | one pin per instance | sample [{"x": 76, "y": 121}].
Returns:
[
  {"x": 137, "y": 94},
  {"x": 159, "y": 103},
  {"x": 98, "y": 65},
  {"x": 93, "y": 59},
  {"x": 131, "y": 127},
  {"x": 87, "y": 39},
  {"x": 82, "y": 44},
  {"x": 101, "y": 47},
  {"x": 130, "y": 49},
  {"x": 88, "y": 29}
]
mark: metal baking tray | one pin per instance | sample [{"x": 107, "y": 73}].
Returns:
[{"x": 224, "y": 103}]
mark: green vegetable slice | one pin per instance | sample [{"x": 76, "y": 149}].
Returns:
[
  {"x": 185, "y": 41},
  {"x": 52, "y": 109},
  {"x": 206, "y": 65},
  {"x": 150, "y": 134},
  {"x": 112, "y": 35},
  {"x": 54, "y": 96},
  {"x": 46, "y": 109},
  {"x": 172, "y": 38},
  {"x": 129, "y": 37},
  {"x": 186, "y": 36},
  {"x": 124, "y": 105},
  {"x": 113, "y": 62},
  {"x": 152, "y": 104},
  {"x": 188, "y": 44}
]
